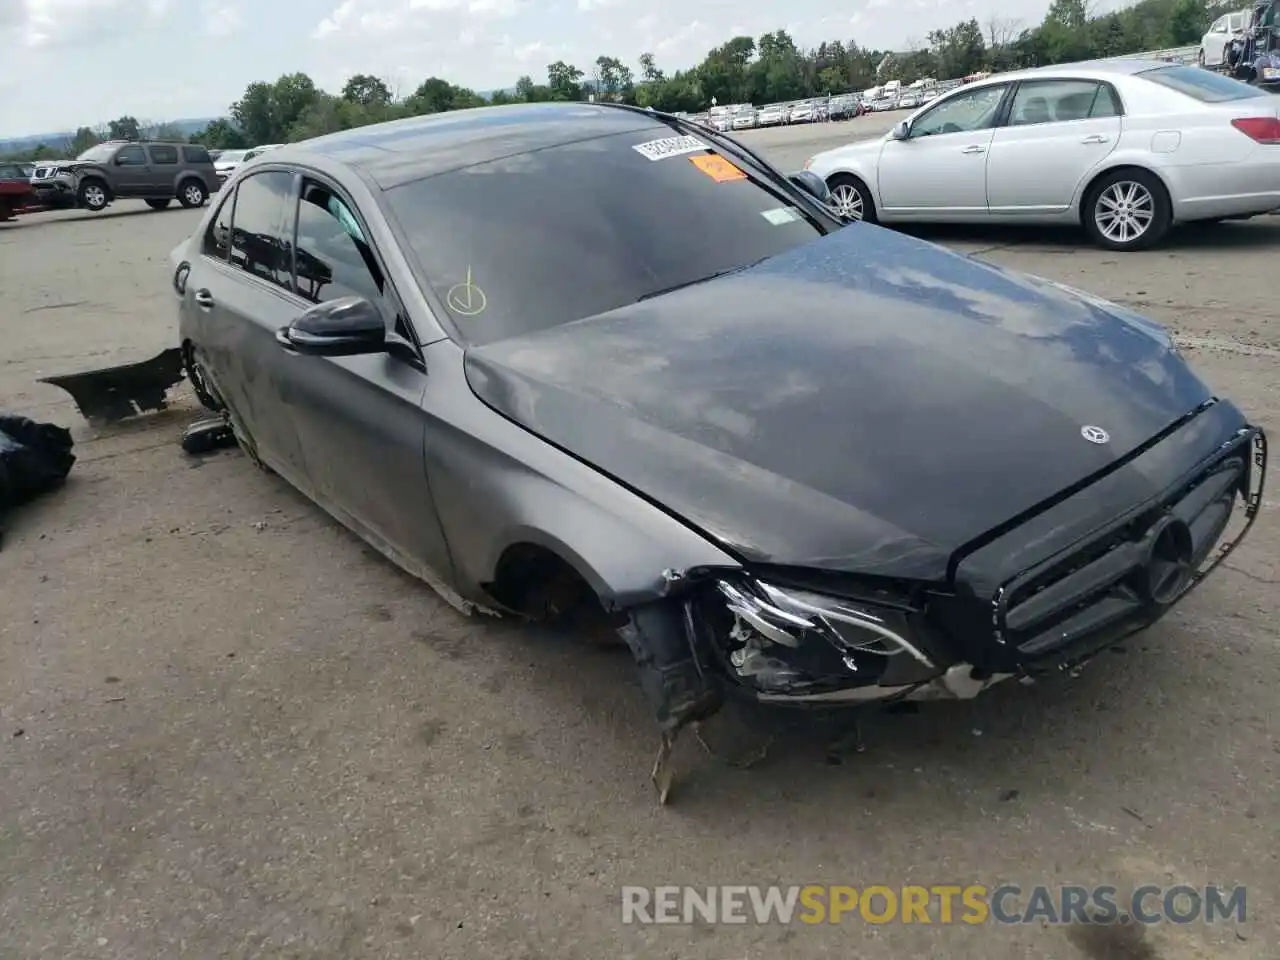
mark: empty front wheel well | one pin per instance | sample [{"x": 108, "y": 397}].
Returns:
[
  {"x": 538, "y": 583},
  {"x": 1087, "y": 194}
]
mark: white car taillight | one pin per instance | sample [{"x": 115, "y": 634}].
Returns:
[{"x": 1262, "y": 129}]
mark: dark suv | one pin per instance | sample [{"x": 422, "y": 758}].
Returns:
[{"x": 157, "y": 171}]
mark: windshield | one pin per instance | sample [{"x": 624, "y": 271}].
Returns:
[
  {"x": 1203, "y": 85},
  {"x": 232, "y": 156},
  {"x": 102, "y": 151},
  {"x": 545, "y": 238}
]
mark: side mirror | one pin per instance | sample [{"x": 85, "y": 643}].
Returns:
[
  {"x": 902, "y": 131},
  {"x": 812, "y": 184},
  {"x": 346, "y": 327}
]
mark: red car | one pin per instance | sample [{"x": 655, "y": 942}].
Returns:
[{"x": 16, "y": 195}]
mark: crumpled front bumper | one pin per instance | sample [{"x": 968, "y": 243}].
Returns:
[{"x": 1059, "y": 614}]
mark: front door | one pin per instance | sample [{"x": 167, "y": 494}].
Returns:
[
  {"x": 132, "y": 173},
  {"x": 1058, "y": 131},
  {"x": 939, "y": 171},
  {"x": 361, "y": 419}
]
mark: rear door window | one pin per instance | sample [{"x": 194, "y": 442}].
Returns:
[
  {"x": 163, "y": 155},
  {"x": 1203, "y": 85},
  {"x": 217, "y": 239},
  {"x": 259, "y": 245}
]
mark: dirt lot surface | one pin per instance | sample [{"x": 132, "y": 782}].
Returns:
[{"x": 229, "y": 730}]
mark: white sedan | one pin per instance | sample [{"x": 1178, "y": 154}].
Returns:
[
  {"x": 1217, "y": 39},
  {"x": 1128, "y": 148}
]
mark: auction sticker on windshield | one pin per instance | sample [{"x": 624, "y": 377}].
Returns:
[
  {"x": 669, "y": 147},
  {"x": 717, "y": 168}
]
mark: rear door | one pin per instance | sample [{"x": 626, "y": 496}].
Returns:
[
  {"x": 1056, "y": 132},
  {"x": 164, "y": 169},
  {"x": 239, "y": 291}
]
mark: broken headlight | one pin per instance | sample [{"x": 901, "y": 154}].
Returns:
[{"x": 786, "y": 640}]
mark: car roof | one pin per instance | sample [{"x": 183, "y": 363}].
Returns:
[
  {"x": 1087, "y": 69},
  {"x": 402, "y": 151}
]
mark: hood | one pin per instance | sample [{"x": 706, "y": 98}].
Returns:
[{"x": 867, "y": 402}]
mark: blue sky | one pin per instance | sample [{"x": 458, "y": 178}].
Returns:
[{"x": 93, "y": 60}]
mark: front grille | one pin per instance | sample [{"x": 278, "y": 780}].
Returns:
[{"x": 1125, "y": 578}]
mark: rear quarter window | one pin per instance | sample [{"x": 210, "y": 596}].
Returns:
[
  {"x": 196, "y": 155},
  {"x": 1203, "y": 85}
]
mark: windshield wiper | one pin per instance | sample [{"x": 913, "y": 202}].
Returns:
[{"x": 710, "y": 276}]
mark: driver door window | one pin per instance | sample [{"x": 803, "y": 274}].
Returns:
[
  {"x": 964, "y": 113},
  {"x": 131, "y": 157},
  {"x": 334, "y": 258}
]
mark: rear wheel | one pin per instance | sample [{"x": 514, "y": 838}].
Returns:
[
  {"x": 157, "y": 204},
  {"x": 851, "y": 198},
  {"x": 1127, "y": 210}
]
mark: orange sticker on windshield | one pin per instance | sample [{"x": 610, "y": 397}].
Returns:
[{"x": 717, "y": 168}]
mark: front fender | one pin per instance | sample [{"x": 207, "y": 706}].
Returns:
[
  {"x": 862, "y": 164},
  {"x": 497, "y": 485}
]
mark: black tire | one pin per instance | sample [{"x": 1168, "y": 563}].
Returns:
[
  {"x": 1200, "y": 57},
  {"x": 841, "y": 185},
  {"x": 92, "y": 194},
  {"x": 158, "y": 204},
  {"x": 192, "y": 193},
  {"x": 1141, "y": 192}
]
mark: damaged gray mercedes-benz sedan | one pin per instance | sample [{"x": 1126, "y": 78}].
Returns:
[{"x": 558, "y": 355}]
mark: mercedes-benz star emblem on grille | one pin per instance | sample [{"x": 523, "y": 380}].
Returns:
[{"x": 1094, "y": 434}]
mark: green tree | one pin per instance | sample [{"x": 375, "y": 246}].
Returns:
[
  {"x": 649, "y": 72},
  {"x": 84, "y": 139},
  {"x": 564, "y": 81},
  {"x": 126, "y": 128},
  {"x": 367, "y": 90},
  {"x": 613, "y": 80},
  {"x": 221, "y": 134},
  {"x": 959, "y": 50}
]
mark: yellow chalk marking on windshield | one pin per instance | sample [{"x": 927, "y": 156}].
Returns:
[
  {"x": 717, "y": 168},
  {"x": 466, "y": 299}
]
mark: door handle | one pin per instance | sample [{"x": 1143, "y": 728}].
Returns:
[
  {"x": 204, "y": 299},
  {"x": 1096, "y": 138},
  {"x": 974, "y": 149}
]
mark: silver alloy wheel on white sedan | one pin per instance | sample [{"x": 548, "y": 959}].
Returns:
[
  {"x": 847, "y": 200},
  {"x": 1124, "y": 211}
]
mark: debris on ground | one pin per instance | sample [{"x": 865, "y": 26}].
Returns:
[
  {"x": 34, "y": 459},
  {"x": 116, "y": 393}
]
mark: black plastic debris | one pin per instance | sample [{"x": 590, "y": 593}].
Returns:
[
  {"x": 115, "y": 393},
  {"x": 34, "y": 459}
]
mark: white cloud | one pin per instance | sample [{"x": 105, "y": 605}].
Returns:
[
  {"x": 151, "y": 54},
  {"x": 496, "y": 9},
  {"x": 221, "y": 19}
]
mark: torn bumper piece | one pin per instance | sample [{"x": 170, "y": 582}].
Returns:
[{"x": 115, "y": 393}]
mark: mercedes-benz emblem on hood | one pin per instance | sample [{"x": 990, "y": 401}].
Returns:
[{"x": 1094, "y": 434}]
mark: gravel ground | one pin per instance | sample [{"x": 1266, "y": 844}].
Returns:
[{"x": 229, "y": 730}]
